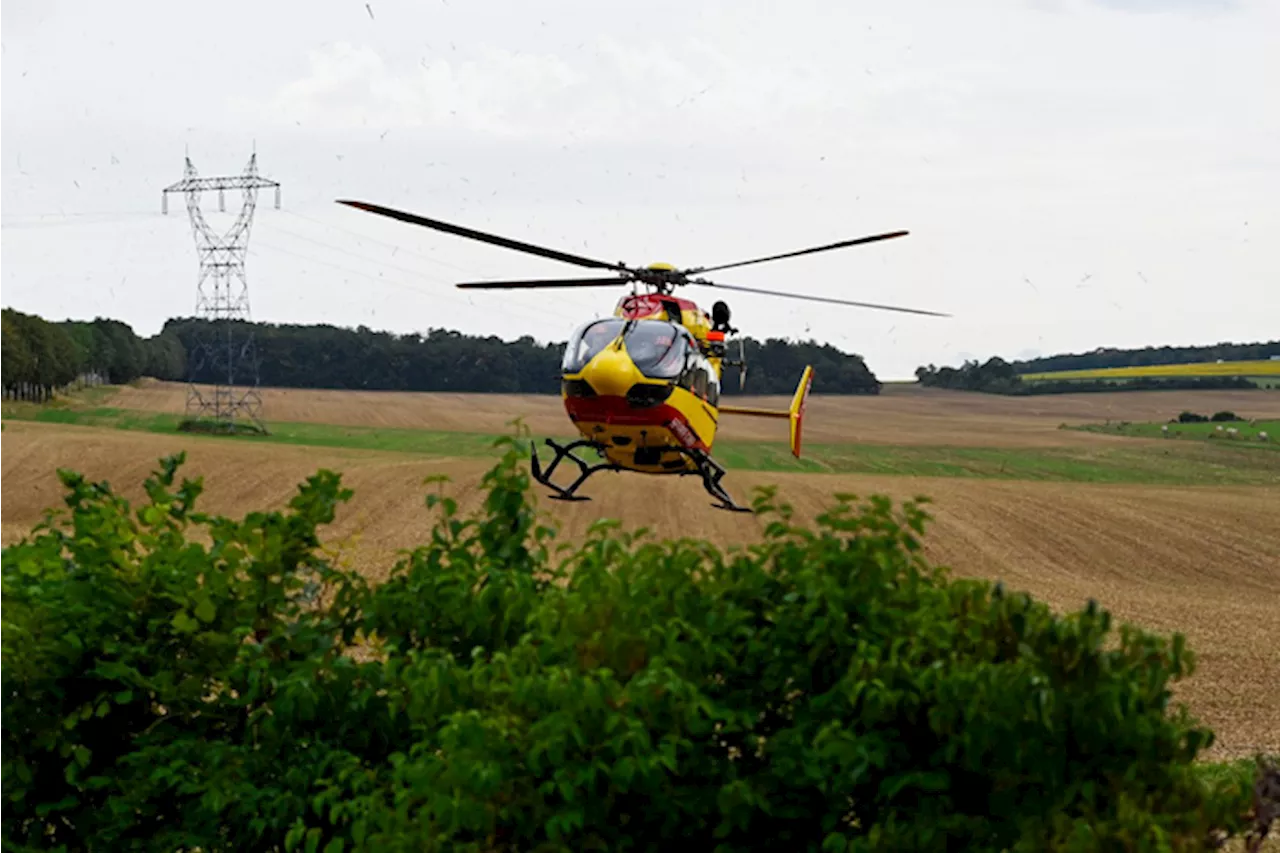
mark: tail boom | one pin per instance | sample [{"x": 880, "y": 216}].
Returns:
[{"x": 795, "y": 414}]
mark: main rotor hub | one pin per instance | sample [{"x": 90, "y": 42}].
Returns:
[{"x": 661, "y": 277}]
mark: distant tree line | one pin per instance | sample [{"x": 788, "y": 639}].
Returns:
[
  {"x": 1146, "y": 356},
  {"x": 325, "y": 356},
  {"x": 997, "y": 376},
  {"x": 42, "y": 357}
]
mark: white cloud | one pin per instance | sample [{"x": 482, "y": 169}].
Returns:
[{"x": 608, "y": 89}]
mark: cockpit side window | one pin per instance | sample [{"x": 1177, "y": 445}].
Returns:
[{"x": 700, "y": 378}]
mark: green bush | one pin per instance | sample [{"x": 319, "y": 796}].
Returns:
[{"x": 179, "y": 681}]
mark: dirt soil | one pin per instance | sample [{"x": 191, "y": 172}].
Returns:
[
  {"x": 1205, "y": 561},
  {"x": 900, "y": 415}
]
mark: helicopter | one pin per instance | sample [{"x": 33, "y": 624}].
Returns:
[{"x": 642, "y": 386}]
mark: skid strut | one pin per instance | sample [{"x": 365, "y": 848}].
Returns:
[
  {"x": 585, "y": 469},
  {"x": 708, "y": 469},
  {"x": 711, "y": 472}
]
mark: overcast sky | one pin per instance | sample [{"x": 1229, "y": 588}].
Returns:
[{"x": 1074, "y": 173}]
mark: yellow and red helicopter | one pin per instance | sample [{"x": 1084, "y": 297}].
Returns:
[{"x": 643, "y": 386}]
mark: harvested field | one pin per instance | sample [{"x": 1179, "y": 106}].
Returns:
[
  {"x": 900, "y": 415},
  {"x": 1205, "y": 561},
  {"x": 1259, "y": 367}
]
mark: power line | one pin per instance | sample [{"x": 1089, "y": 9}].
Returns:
[
  {"x": 447, "y": 296},
  {"x": 324, "y": 245},
  {"x": 510, "y": 299},
  {"x": 397, "y": 248},
  {"x": 62, "y": 214},
  {"x": 507, "y": 298}
]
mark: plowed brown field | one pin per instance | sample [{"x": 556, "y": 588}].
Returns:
[
  {"x": 1205, "y": 561},
  {"x": 902, "y": 414}
]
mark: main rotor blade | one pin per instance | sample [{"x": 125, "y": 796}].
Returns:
[
  {"x": 706, "y": 283},
  {"x": 856, "y": 242},
  {"x": 542, "y": 282},
  {"x": 414, "y": 219}
]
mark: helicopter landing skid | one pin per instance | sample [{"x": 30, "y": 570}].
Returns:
[
  {"x": 711, "y": 472},
  {"x": 563, "y": 452}
]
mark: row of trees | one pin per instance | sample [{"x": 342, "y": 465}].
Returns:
[
  {"x": 326, "y": 356},
  {"x": 1146, "y": 356},
  {"x": 40, "y": 357},
  {"x": 997, "y": 376}
]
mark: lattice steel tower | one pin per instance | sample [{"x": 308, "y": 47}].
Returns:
[{"x": 224, "y": 349}]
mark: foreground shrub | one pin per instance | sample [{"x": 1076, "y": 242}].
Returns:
[{"x": 824, "y": 689}]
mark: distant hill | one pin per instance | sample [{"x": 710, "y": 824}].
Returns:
[{"x": 1147, "y": 356}]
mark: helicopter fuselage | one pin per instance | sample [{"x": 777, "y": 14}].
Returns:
[
  {"x": 643, "y": 387},
  {"x": 646, "y": 390}
]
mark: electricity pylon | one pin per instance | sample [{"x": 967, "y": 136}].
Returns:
[{"x": 222, "y": 303}]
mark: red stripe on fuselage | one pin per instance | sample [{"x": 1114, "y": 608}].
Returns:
[{"x": 616, "y": 410}]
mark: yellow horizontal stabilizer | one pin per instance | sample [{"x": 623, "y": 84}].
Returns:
[{"x": 755, "y": 413}]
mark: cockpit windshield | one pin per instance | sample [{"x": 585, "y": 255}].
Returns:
[
  {"x": 587, "y": 341},
  {"x": 657, "y": 347}
]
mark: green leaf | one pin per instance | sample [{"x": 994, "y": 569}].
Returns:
[
  {"x": 183, "y": 623},
  {"x": 294, "y": 836},
  {"x": 834, "y": 843},
  {"x": 206, "y": 611}
]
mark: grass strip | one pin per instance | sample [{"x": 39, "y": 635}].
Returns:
[{"x": 1177, "y": 463}]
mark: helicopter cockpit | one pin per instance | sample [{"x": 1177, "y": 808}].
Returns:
[{"x": 658, "y": 348}]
